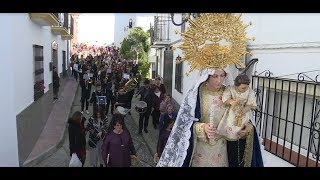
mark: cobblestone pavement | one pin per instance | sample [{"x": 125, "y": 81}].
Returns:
[{"x": 61, "y": 157}]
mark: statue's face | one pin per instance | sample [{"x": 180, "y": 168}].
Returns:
[
  {"x": 215, "y": 81},
  {"x": 243, "y": 88}
]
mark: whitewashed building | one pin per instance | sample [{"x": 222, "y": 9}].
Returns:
[
  {"x": 287, "y": 47},
  {"x": 126, "y": 21},
  {"x": 30, "y": 44}
]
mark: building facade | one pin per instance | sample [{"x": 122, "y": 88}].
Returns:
[
  {"x": 125, "y": 21},
  {"x": 31, "y": 44},
  {"x": 284, "y": 77},
  {"x": 74, "y": 40}
]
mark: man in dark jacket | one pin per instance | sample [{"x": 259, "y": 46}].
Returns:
[
  {"x": 146, "y": 96},
  {"x": 56, "y": 83},
  {"x": 111, "y": 90},
  {"x": 93, "y": 100}
]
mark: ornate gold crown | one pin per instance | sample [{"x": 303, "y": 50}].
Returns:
[{"x": 214, "y": 41}]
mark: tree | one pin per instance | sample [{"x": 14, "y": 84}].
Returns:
[
  {"x": 125, "y": 49},
  {"x": 136, "y": 46}
]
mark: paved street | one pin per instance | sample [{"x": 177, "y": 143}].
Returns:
[{"x": 61, "y": 157}]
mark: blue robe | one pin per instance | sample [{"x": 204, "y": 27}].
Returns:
[{"x": 256, "y": 160}]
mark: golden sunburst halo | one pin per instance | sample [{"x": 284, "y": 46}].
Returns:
[{"x": 214, "y": 40}]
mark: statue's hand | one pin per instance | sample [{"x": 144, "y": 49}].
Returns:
[
  {"x": 245, "y": 130},
  {"x": 210, "y": 130},
  {"x": 233, "y": 102}
]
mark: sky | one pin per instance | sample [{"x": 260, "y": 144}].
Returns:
[{"x": 96, "y": 28}]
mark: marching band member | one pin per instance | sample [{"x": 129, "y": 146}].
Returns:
[
  {"x": 93, "y": 100},
  {"x": 85, "y": 84},
  {"x": 111, "y": 89}
]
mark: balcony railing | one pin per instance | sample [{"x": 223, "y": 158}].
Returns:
[
  {"x": 63, "y": 19},
  {"x": 66, "y": 20},
  {"x": 287, "y": 117},
  {"x": 161, "y": 28},
  {"x": 65, "y": 27},
  {"x": 71, "y": 25},
  {"x": 56, "y": 15}
]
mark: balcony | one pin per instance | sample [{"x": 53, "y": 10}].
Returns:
[
  {"x": 63, "y": 26},
  {"x": 160, "y": 31},
  {"x": 66, "y": 37},
  {"x": 44, "y": 19}
]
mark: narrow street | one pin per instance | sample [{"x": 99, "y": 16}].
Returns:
[{"x": 61, "y": 157}]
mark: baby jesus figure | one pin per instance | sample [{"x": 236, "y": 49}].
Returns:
[{"x": 240, "y": 100}]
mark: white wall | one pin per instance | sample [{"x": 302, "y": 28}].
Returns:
[
  {"x": 172, "y": 35},
  {"x": 121, "y": 21},
  {"x": 274, "y": 28},
  {"x": 144, "y": 19},
  {"x": 32, "y": 34},
  {"x": 62, "y": 46},
  {"x": 285, "y": 40},
  {"x": 283, "y": 62},
  {"x": 8, "y": 130}
]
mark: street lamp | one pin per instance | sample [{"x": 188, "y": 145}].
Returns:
[
  {"x": 184, "y": 19},
  {"x": 130, "y": 23},
  {"x": 126, "y": 28}
]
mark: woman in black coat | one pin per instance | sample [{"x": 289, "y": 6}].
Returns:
[{"x": 77, "y": 136}]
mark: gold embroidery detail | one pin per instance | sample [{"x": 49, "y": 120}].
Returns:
[
  {"x": 248, "y": 148},
  {"x": 200, "y": 130}
]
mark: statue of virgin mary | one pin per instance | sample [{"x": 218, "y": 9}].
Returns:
[{"x": 193, "y": 140}]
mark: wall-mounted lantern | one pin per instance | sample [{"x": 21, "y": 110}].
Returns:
[
  {"x": 130, "y": 23},
  {"x": 184, "y": 19}
]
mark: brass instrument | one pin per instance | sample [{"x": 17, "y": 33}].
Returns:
[
  {"x": 131, "y": 84},
  {"x": 105, "y": 80}
]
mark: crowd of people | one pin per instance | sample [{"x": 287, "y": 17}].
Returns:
[{"x": 110, "y": 143}]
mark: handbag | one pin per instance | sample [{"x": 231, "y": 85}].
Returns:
[{"x": 75, "y": 161}]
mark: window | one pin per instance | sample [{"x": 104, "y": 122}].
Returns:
[
  {"x": 178, "y": 77},
  {"x": 38, "y": 72}
]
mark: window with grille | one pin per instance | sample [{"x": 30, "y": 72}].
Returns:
[
  {"x": 178, "y": 77},
  {"x": 38, "y": 72}
]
